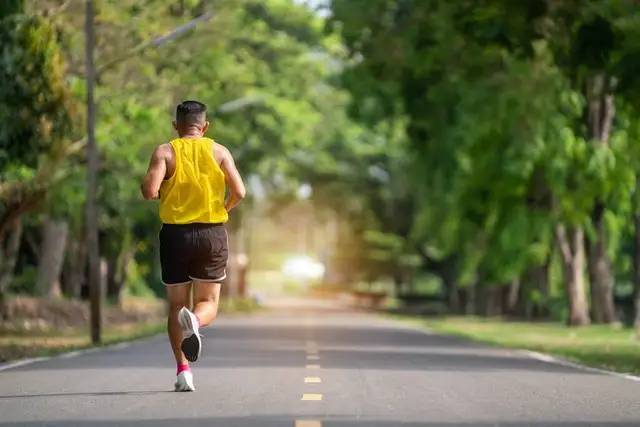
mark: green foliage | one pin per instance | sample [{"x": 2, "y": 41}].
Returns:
[
  {"x": 599, "y": 346},
  {"x": 10, "y": 7},
  {"x": 34, "y": 107},
  {"x": 264, "y": 70},
  {"x": 449, "y": 137},
  {"x": 494, "y": 99}
]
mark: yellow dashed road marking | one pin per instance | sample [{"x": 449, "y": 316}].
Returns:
[
  {"x": 311, "y": 396},
  {"x": 312, "y": 380},
  {"x": 307, "y": 423},
  {"x": 313, "y": 366}
]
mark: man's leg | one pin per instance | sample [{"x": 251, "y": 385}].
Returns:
[
  {"x": 178, "y": 296},
  {"x": 205, "y": 301}
]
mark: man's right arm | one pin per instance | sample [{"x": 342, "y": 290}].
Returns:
[
  {"x": 156, "y": 172},
  {"x": 233, "y": 179}
]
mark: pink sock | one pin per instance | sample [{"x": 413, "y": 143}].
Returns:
[{"x": 182, "y": 367}]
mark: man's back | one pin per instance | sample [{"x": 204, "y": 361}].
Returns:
[{"x": 194, "y": 189}]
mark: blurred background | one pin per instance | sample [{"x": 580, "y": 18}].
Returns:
[{"x": 477, "y": 160}]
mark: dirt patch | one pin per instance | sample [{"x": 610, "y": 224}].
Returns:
[
  {"x": 40, "y": 327},
  {"x": 39, "y": 314}
]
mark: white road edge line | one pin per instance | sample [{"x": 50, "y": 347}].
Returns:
[
  {"x": 529, "y": 353},
  {"x": 73, "y": 353},
  {"x": 563, "y": 362},
  {"x": 9, "y": 365}
]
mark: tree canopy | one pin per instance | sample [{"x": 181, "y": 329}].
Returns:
[{"x": 490, "y": 147}]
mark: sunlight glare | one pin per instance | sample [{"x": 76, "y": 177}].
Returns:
[{"x": 302, "y": 267}]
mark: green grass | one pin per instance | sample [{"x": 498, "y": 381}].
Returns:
[
  {"x": 608, "y": 347},
  {"x": 238, "y": 305},
  {"x": 19, "y": 344},
  {"x": 22, "y": 344}
]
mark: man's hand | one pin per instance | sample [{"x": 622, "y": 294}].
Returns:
[
  {"x": 156, "y": 173},
  {"x": 232, "y": 178}
]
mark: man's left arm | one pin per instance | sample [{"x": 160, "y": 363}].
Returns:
[
  {"x": 233, "y": 180},
  {"x": 155, "y": 175}
]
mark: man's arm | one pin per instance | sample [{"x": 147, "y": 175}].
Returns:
[
  {"x": 155, "y": 174},
  {"x": 233, "y": 180}
]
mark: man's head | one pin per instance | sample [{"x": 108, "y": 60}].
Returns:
[{"x": 191, "y": 118}]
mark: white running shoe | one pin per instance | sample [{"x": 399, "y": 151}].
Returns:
[
  {"x": 184, "y": 382},
  {"x": 191, "y": 342}
]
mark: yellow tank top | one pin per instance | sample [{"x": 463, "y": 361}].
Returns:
[{"x": 196, "y": 190}]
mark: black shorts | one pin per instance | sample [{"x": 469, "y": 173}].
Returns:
[{"x": 193, "y": 252}]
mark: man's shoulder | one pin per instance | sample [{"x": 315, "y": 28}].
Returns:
[
  {"x": 220, "y": 153},
  {"x": 220, "y": 149},
  {"x": 164, "y": 150}
]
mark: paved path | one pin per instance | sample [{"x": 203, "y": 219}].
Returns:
[{"x": 372, "y": 373}]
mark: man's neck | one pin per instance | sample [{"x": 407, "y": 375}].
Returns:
[{"x": 191, "y": 135}]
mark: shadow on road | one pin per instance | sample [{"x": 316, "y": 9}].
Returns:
[{"x": 341, "y": 347}]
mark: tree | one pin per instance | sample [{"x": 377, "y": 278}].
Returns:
[
  {"x": 481, "y": 169},
  {"x": 35, "y": 107}
]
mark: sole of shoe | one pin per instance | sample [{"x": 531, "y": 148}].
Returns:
[{"x": 191, "y": 345}]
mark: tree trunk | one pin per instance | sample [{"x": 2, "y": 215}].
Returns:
[
  {"x": 492, "y": 300},
  {"x": 234, "y": 269},
  {"x": 117, "y": 274},
  {"x": 114, "y": 284},
  {"x": 8, "y": 257},
  {"x": 471, "y": 297},
  {"x": 453, "y": 297},
  {"x": 74, "y": 273},
  {"x": 571, "y": 247},
  {"x": 104, "y": 271},
  {"x": 513, "y": 296},
  {"x": 242, "y": 264},
  {"x": 601, "y": 111},
  {"x": 536, "y": 279},
  {"x": 449, "y": 279},
  {"x": 600, "y": 275},
  {"x": 482, "y": 293},
  {"x": 636, "y": 260},
  {"x": 52, "y": 256}
]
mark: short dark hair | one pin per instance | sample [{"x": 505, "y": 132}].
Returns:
[{"x": 191, "y": 112}]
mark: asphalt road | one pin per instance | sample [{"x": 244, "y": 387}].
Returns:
[{"x": 373, "y": 372}]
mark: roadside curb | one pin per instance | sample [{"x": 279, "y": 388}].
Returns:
[
  {"x": 74, "y": 353},
  {"x": 543, "y": 357}
]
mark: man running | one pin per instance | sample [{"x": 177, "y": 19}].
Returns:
[{"x": 189, "y": 176}]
